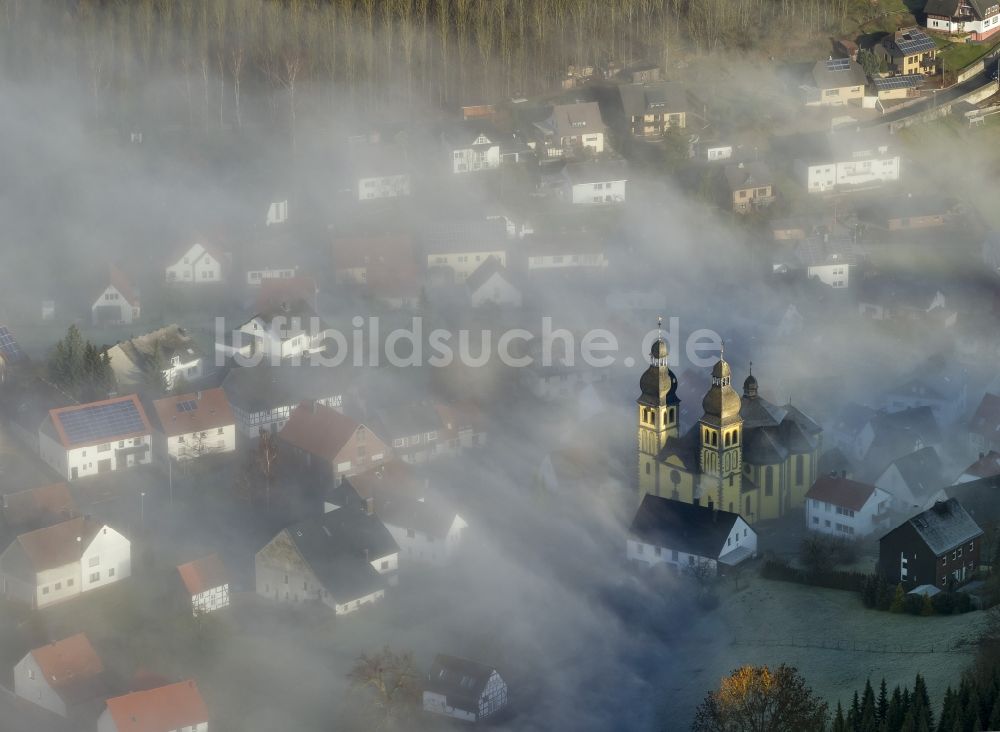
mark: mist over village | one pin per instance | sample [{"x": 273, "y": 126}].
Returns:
[{"x": 525, "y": 365}]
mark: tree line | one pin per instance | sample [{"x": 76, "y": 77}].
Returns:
[{"x": 366, "y": 53}]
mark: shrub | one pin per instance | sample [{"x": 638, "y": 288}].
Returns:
[
  {"x": 963, "y": 603},
  {"x": 913, "y": 604},
  {"x": 898, "y": 600},
  {"x": 944, "y": 603}
]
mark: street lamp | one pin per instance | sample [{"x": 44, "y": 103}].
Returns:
[{"x": 142, "y": 496}]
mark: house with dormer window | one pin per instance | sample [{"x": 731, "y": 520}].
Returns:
[{"x": 473, "y": 146}]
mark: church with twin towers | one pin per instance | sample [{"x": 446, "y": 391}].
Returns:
[{"x": 745, "y": 454}]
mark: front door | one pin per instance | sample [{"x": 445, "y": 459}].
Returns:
[{"x": 75, "y": 473}]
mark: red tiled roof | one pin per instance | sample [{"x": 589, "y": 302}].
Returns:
[
  {"x": 987, "y": 466},
  {"x": 394, "y": 476},
  {"x": 986, "y": 420},
  {"x": 55, "y": 414},
  {"x": 212, "y": 411},
  {"x": 276, "y": 290},
  {"x": 121, "y": 283},
  {"x": 203, "y": 574},
  {"x": 841, "y": 492},
  {"x": 164, "y": 709},
  {"x": 318, "y": 430},
  {"x": 57, "y": 546},
  {"x": 351, "y": 253},
  {"x": 70, "y": 667}
]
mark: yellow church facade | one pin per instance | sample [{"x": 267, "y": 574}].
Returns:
[{"x": 745, "y": 454}]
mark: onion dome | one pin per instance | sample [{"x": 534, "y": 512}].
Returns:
[{"x": 658, "y": 383}]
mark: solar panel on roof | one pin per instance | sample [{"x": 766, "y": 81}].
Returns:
[
  {"x": 838, "y": 64},
  {"x": 914, "y": 43},
  {"x": 90, "y": 424},
  {"x": 187, "y": 406},
  {"x": 8, "y": 346},
  {"x": 907, "y": 81}
]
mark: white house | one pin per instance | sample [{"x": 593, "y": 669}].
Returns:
[
  {"x": 173, "y": 708},
  {"x": 914, "y": 481},
  {"x": 594, "y": 183},
  {"x": 99, "y": 437},
  {"x": 490, "y": 284},
  {"x": 195, "y": 425},
  {"x": 57, "y": 563},
  {"x": 570, "y": 127},
  {"x": 171, "y": 350},
  {"x": 977, "y": 18},
  {"x": 277, "y": 213},
  {"x": 846, "y": 508},
  {"x": 118, "y": 303},
  {"x": 206, "y": 583},
  {"x": 682, "y": 535},
  {"x": 848, "y": 160},
  {"x": 463, "y": 689},
  {"x": 472, "y": 147},
  {"x": 258, "y": 273},
  {"x": 344, "y": 559},
  {"x": 460, "y": 247},
  {"x": 61, "y": 676},
  {"x": 287, "y": 330},
  {"x": 200, "y": 263}
]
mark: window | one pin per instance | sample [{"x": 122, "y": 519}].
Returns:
[
  {"x": 220, "y": 431},
  {"x": 95, "y": 576},
  {"x": 45, "y": 590},
  {"x": 31, "y": 674},
  {"x": 673, "y": 555},
  {"x": 385, "y": 564},
  {"x": 94, "y": 561},
  {"x": 639, "y": 549},
  {"x": 647, "y": 468},
  {"x": 111, "y": 572},
  {"x": 58, "y": 586},
  {"x": 410, "y": 533},
  {"x": 104, "y": 448},
  {"x": 69, "y": 583},
  {"x": 657, "y": 551}
]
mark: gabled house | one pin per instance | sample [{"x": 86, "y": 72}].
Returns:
[
  {"x": 914, "y": 481},
  {"x": 206, "y": 583},
  {"x": 749, "y": 186},
  {"x": 357, "y": 258},
  {"x": 577, "y": 250},
  {"x": 330, "y": 443},
  {"x": 570, "y": 128},
  {"x": 60, "y": 562},
  {"x": 984, "y": 427},
  {"x": 978, "y": 18},
  {"x": 275, "y": 291},
  {"x": 939, "y": 546},
  {"x": 490, "y": 284},
  {"x": 118, "y": 303},
  {"x": 195, "y": 425},
  {"x": 344, "y": 559},
  {"x": 847, "y": 159},
  {"x": 935, "y": 384},
  {"x": 472, "y": 146},
  {"x": 463, "y": 425},
  {"x": 169, "y": 350},
  {"x": 172, "y": 708},
  {"x": 287, "y": 330},
  {"x": 594, "y": 182},
  {"x": 824, "y": 259},
  {"x": 885, "y": 298},
  {"x": 455, "y": 249},
  {"x": 986, "y": 467},
  {"x": 846, "y": 508},
  {"x": 463, "y": 689},
  {"x": 277, "y": 212},
  {"x": 908, "y": 51},
  {"x": 62, "y": 677},
  {"x": 37, "y": 508},
  {"x": 268, "y": 263},
  {"x": 681, "y": 535},
  {"x": 380, "y": 171},
  {"x": 200, "y": 263},
  {"x": 651, "y": 109},
  {"x": 889, "y": 435},
  {"x": 836, "y": 82},
  {"x": 414, "y": 430},
  {"x": 99, "y": 437}
]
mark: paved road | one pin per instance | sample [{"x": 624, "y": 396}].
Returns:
[{"x": 942, "y": 97}]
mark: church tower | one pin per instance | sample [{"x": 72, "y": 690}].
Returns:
[
  {"x": 658, "y": 414},
  {"x": 721, "y": 442}
]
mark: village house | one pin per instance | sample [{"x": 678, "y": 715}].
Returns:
[
  {"x": 414, "y": 430},
  {"x": 454, "y": 250},
  {"x": 887, "y": 297},
  {"x": 594, "y": 182},
  {"x": 62, "y": 677},
  {"x": 986, "y": 467},
  {"x": 901, "y": 86},
  {"x": 978, "y": 18},
  {"x": 914, "y": 481},
  {"x": 847, "y": 160},
  {"x": 397, "y": 286},
  {"x": 571, "y": 128},
  {"x": 683, "y": 535},
  {"x": 170, "y": 350},
  {"x": 846, "y": 508},
  {"x": 344, "y": 559},
  {"x": 557, "y": 380},
  {"x": 99, "y": 437},
  {"x": 206, "y": 584},
  {"x": 201, "y": 263},
  {"x": 984, "y": 427},
  {"x": 836, "y": 82},
  {"x": 330, "y": 443},
  {"x": 272, "y": 292},
  {"x": 289, "y": 329},
  {"x": 490, "y": 284},
  {"x": 889, "y": 435},
  {"x": 118, "y": 303},
  {"x": 380, "y": 171},
  {"x": 939, "y": 547},
  {"x": 575, "y": 250},
  {"x": 172, "y": 708},
  {"x": 472, "y": 146},
  {"x": 57, "y": 563},
  {"x": 463, "y": 425},
  {"x": 713, "y": 152},
  {"x": 268, "y": 265},
  {"x": 749, "y": 186},
  {"x": 277, "y": 212},
  {"x": 938, "y": 384},
  {"x": 908, "y": 51},
  {"x": 426, "y": 530},
  {"x": 909, "y": 212},
  {"x": 37, "y": 508},
  {"x": 463, "y": 689},
  {"x": 828, "y": 261},
  {"x": 262, "y": 397},
  {"x": 653, "y": 108},
  {"x": 355, "y": 258},
  {"x": 195, "y": 425}
]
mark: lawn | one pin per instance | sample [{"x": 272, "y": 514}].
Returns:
[{"x": 957, "y": 56}]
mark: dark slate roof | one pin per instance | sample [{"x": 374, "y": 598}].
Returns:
[
  {"x": 692, "y": 529},
  {"x": 945, "y": 525},
  {"x": 835, "y": 462},
  {"x": 257, "y": 388},
  {"x": 803, "y": 420},
  {"x": 853, "y": 417},
  {"x": 595, "y": 171},
  {"x": 684, "y": 447},
  {"x": 662, "y": 97},
  {"x": 404, "y": 420},
  {"x": 339, "y": 546},
  {"x": 748, "y": 175},
  {"x": 459, "y": 680},
  {"x": 759, "y": 412},
  {"x": 763, "y": 446},
  {"x": 949, "y": 8},
  {"x": 921, "y": 471},
  {"x": 483, "y": 272},
  {"x": 838, "y": 73}
]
